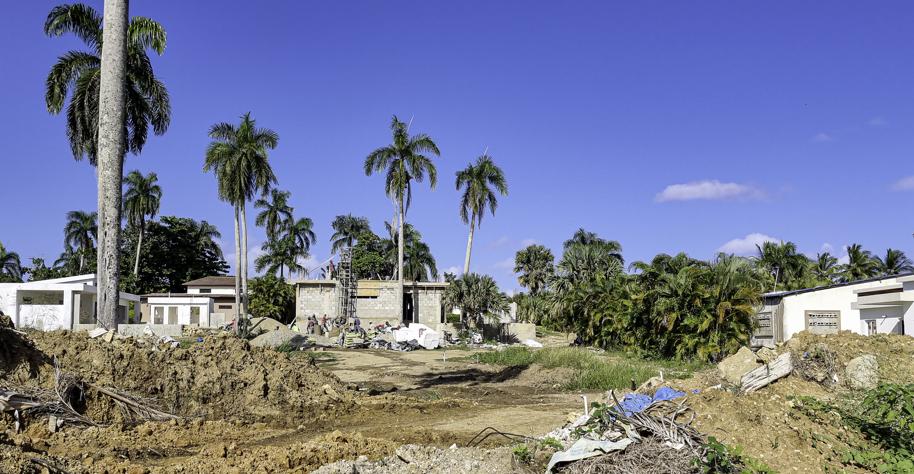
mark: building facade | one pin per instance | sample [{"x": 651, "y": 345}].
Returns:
[
  {"x": 873, "y": 306},
  {"x": 207, "y": 302},
  {"x": 375, "y": 301},
  {"x": 59, "y": 303}
]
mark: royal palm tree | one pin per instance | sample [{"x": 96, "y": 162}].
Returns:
[
  {"x": 276, "y": 212},
  {"x": 403, "y": 161},
  {"x": 860, "y": 264},
  {"x": 301, "y": 234},
  {"x": 825, "y": 268},
  {"x": 79, "y": 72},
  {"x": 536, "y": 267},
  {"x": 80, "y": 233},
  {"x": 478, "y": 181},
  {"x": 346, "y": 230},
  {"x": 141, "y": 199},
  {"x": 238, "y": 157},
  {"x": 10, "y": 265},
  {"x": 277, "y": 256},
  {"x": 894, "y": 263}
]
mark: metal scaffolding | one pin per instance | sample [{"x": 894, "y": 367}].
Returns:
[{"x": 347, "y": 284}]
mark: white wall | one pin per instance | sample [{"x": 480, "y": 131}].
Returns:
[
  {"x": 832, "y": 299},
  {"x": 183, "y": 306},
  {"x": 213, "y": 291}
]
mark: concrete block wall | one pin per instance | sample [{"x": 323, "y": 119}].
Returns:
[
  {"x": 431, "y": 311},
  {"x": 382, "y": 308},
  {"x": 317, "y": 300}
]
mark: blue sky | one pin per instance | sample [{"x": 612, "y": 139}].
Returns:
[{"x": 667, "y": 126}]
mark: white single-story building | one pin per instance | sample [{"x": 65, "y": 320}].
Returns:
[
  {"x": 208, "y": 302},
  {"x": 59, "y": 303},
  {"x": 874, "y": 306}
]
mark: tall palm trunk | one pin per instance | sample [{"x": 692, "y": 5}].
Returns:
[
  {"x": 139, "y": 246},
  {"x": 111, "y": 145},
  {"x": 400, "y": 261},
  {"x": 237, "y": 271},
  {"x": 466, "y": 262},
  {"x": 244, "y": 262}
]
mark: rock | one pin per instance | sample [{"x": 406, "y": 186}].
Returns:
[
  {"x": 765, "y": 355},
  {"x": 863, "y": 372},
  {"x": 734, "y": 367}
]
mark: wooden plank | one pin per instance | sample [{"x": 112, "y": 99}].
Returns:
[{"x": 780, "y": 367}]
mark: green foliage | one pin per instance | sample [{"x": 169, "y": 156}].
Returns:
[
  {"x": 477, "y": 296},
  {"x": 346, "y": 230},
  {"x": 536, "y": 267},
  {"x": 885, "y": 417},
  {"x": 522, "y": 453},
  {"x": 10, "y": 266},
  {"x": 272, "y": 297},
  {"x": 175, "y": 250},
  {"x": 369, "y": 258},
  {"x": 38, "y": 270},
  {"x": 591, "y": 371},
  {"x": 722, "y": 459}
]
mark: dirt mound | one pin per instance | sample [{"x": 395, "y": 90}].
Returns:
[
  {"x": 414, "y": 459},
  {"x": 221, "y": 377},
  {"x": 893, "y": 352}
]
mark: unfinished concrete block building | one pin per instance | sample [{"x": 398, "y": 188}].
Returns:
[{"x": 373, "y": 301}]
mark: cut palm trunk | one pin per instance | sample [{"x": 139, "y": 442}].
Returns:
[{"x": 780, "y": 367}]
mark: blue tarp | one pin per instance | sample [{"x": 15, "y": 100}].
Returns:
[{"x": 636, "y": 402}]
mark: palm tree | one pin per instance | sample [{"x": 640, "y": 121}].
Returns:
[
  {"x": 860, "y": 264},
  {"x": 894, "y": 263},
  {"x": 141, "y": 199},
  {"x": 79, "y": 72},
  {"x": 825, "y": 267},
  {"x": 301, "y": 234},
  {"x": 478, "y": 180},
  {"x": 80, "y": 233},
  {"x": 276, "y": 212},
  {"x": 346, "y": 230},
  {"x": 784, "y": 263},
  {"x": 536, "y": 266},
  {"x": 238, "y": 157},
  {"x": 206, "y": 235},
  {"x": 277, "y": 256},
  {"x": 115, "y": 99},
  {"x": 404, "y": 160},
  {"x": 418, "y": 262},
  {"x": 10, "y": 265},
  {"x": 476, "y": 295},
  {"x": 611, "y": 248}
]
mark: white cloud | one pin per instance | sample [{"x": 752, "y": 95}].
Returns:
[
  {"x": 747, "y": 244},
  {"x": 707, "y": 189},
  {"x": 528, "y": 242},
  {"x": 452, "y": 269},
  {"x": 904, "y": 184},
  {"x": 877, "y": 122},
  {"x": 506, "y": 264},
  {"x": 822, "y": 137}
]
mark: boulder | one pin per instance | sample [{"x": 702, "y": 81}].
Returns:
[
  {"x": 734, "y": 367},
  {"x": 766, "y": 354},
  {"x": 862, "y": 372}
]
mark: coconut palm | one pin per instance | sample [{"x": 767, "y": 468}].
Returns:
[
  {"x": 825, "y": 268},
  {"x": 346, "y": 230},
  {"x": 276, "y": 212},
  {"x": 207, "y": 235},
  {"x": 418, "y": 262},
  {"x": 238, "y": 158},
  {"x": 301, "y": 234},
  {"x": 146, "y": 99},
  {"x": 403, "y": 161},
  {"x": 80, "y": 234},
  {"x": 277, "y": 256},
  {"x": 477, "y": 296},
  {"x": 10, "y": 265},
  {"x": 894, "y": 263},
  {"x": 141, "y": 199},
  {"x": 478, "y": 181},
  {"x": 536, "y": 267},
  {"x": 860, "y": 264},
  {"x": 787, "y": 266}
]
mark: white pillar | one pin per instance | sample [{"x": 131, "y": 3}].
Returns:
[{"x": 68, "y": 309}]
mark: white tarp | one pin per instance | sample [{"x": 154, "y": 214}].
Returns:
[
  {"x": 422, "y": 334},
  {"x": 586, "y": 448}
]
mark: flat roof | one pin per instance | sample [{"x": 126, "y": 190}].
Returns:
[{"x": 781, "y": 294}]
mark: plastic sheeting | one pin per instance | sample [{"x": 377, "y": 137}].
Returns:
[{"x": 586, "y": 448}]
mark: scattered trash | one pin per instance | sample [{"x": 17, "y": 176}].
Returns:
[
  {"x": 531, "y": 343},
  {"x": 585, "y": 448},
  {"x": 97, "y": 332}
]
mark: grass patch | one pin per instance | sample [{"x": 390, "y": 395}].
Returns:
[{"x": 592, "y": 371}]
